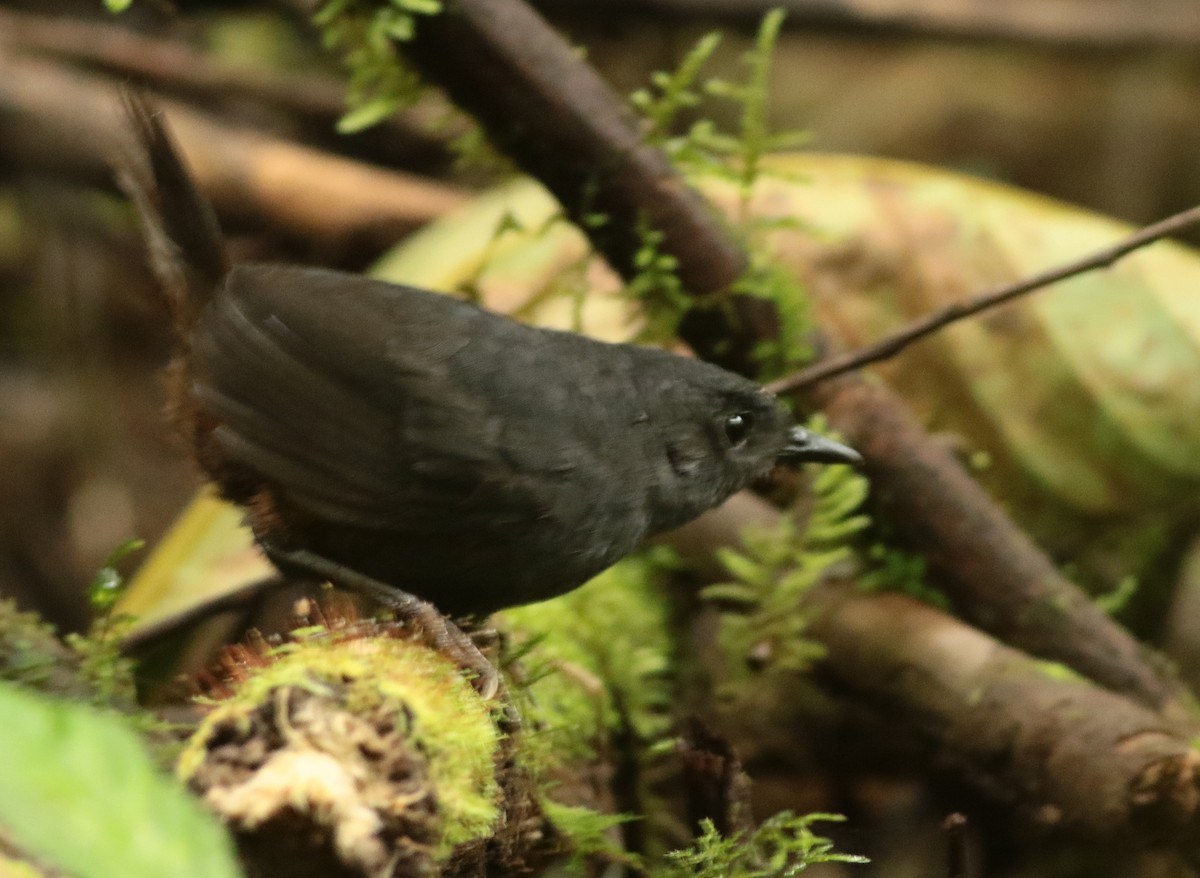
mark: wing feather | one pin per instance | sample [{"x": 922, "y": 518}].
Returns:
[{"x": 321, "y": 405}]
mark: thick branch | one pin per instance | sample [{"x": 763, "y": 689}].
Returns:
[
  {"x": 1066, "y": 753},
  {"x": 561, "y": 123},
  {"x": 175, "y": 67},
  {"x": 993, "y": 573},
  {"x": 1059, "y": 749},
  {"x": 114, "y": 48},
  {"x": 1110, "y": 24}
]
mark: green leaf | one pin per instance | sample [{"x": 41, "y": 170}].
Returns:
[
  {"x": 78, "y": 790},
  {"x": 419, "y": 7},
  {"x": 116, "y": 6},
  {"x": 107, "y": 585},
  {"x": 744, "y": 568},
  {"x": 730, "y": 593},
  {"x": 368, "y": 114}
]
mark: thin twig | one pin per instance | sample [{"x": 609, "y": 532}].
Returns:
[
  {"x": 57, "y": 117},
  {"x": 167, "y": 62},
  {"x": 957, "y": 855},
  {"x": 930, "y": 323},
  {"x": 171, "y": 65}
]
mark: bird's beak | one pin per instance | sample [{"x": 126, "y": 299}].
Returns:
[{"x": 806, "y": 446}]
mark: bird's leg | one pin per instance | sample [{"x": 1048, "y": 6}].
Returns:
[{"x": 442, "y": 633}]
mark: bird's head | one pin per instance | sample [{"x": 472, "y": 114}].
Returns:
[{"x": 721, "y": 432}]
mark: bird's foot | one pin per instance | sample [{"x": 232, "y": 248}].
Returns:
[{"x": 435, "y": 628}]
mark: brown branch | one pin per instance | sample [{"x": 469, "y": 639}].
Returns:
[
  {"x": 58, "y": 118},
  {"x": 1110, "y": 25},
  {"x": 993, "y": 573},
  {"x": 943, "y": 317},
  {"x": 170, "y": 63},
  {"x": 561, "y": 123},
  {"x": 172, "y": 66},
  {"x": 1065, "y": 753},
  {"x": 1062, "y": 751}
]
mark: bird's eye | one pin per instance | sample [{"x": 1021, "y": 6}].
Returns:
[{"x": 737, "y": 428}]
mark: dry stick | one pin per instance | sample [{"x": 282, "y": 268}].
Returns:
[
  {"x": 176, "y": 66},
  {"x": 943, "y": 317},
  {"x": 553, "y": 114},
  {"x": 58, "y": 118},
  {"x": 115, "y": 48},
  {"x": 954, "y": 827}
]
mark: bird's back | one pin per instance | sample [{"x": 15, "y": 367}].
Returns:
[{"x": 417, "y": 438}]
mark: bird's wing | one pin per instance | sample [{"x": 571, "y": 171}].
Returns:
[{"x": 343, "y": 397}]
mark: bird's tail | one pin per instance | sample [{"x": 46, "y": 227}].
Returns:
[{"x": 187, "y": 252}]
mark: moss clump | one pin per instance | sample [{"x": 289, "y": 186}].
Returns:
[
  {"x": 366, "y": 725},
  {"x": 601, "y": 660}
]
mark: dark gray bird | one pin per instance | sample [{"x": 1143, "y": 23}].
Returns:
[{"x": 383, "y": 434}]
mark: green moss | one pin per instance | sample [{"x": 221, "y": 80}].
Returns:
[
  {"x": 668, "y": 95},
  {"x": 656, "y": 286},
  {"x": 702, "y": 149},
  {"x": 893, "y": 569},
  {"x": 445, "y": 719},
  {"x": 590, "y": 833},
  {"x": 29, "y": 649},
  {"x": 767, "y": 279},
  {"x": 745, "y": 151},
  {"x": 1113, "y": 602},
  {"x": 599, "y": 659},
  {"x": 739, "y": 157},
  {"x": 600, "y": 664},
  {"x": 89, "y": 667}
]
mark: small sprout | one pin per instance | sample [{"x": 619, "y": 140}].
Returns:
[
  {"x": 671, "y": 93},
  {"x": 1116, "y": 600},
  {"x": 107, "y": 585},
  {"x": 784, "y": 845}
]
